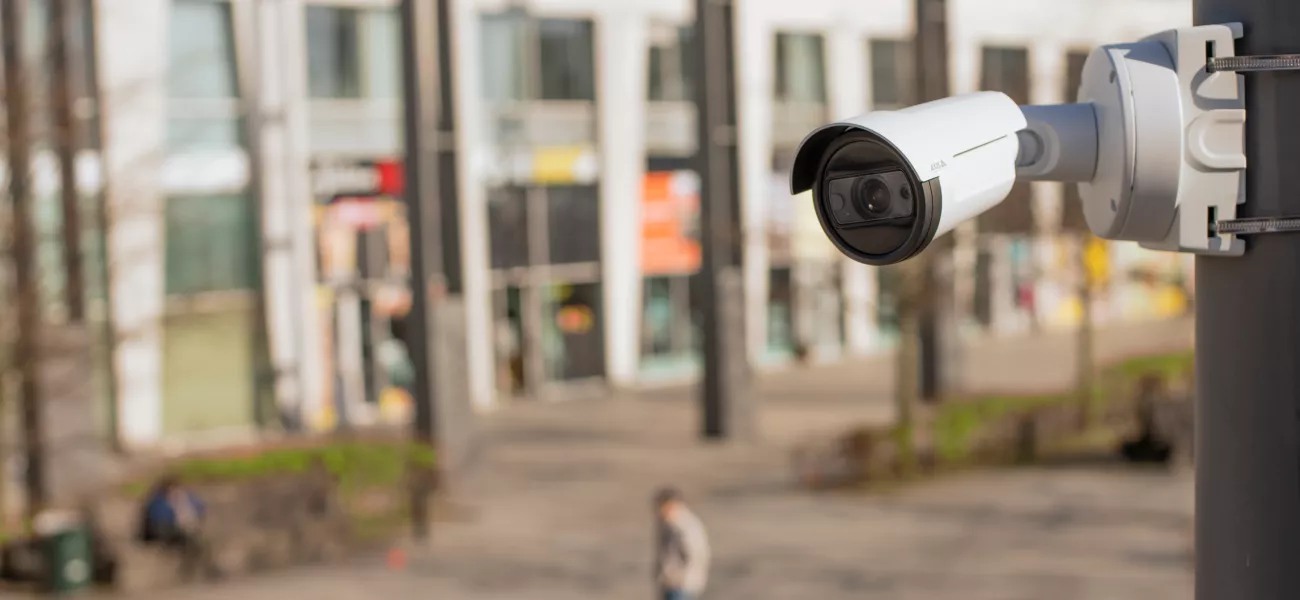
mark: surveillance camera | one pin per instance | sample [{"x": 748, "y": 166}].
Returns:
[
  {"x": 888, "y": 182},
  {"x": 1155, "y": 143}
]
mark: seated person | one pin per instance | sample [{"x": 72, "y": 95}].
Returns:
[{"x": 172, "y": 517}]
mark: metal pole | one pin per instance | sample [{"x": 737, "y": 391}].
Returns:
[
  {"x": 26, "y": 349},
  {"x": 1248, "y": 343},
  {"x": 64, "y": 18},
  {"x": 931, "y": 48},
  {"x": 437, "y": 347},
  {"x": 1085, "y": 367},
  {"x": 726, "y": 409}
]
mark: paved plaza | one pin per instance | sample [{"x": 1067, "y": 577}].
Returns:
[{"x": 556, "y": 507}]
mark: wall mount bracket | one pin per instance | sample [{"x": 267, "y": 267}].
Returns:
[{"x": 1155, "y": 140}]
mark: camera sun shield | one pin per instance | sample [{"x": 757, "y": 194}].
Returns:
[{"x": 870, "y": 198}]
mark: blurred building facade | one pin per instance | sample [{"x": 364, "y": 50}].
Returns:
[{"x": 256, "y": 239}]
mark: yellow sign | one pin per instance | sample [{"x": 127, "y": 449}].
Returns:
[
  {"x": 1096, "y": 261},
  {"x": 556, "y": 165}
]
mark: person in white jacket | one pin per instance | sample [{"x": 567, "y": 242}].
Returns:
[{"x": 682, "y": 556}]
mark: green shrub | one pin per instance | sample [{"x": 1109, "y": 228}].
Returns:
[
  {"x": 355, "y": 464},
  {"x": 956, "y": 424}
]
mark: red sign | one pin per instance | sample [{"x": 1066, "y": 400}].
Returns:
[{"x": 392, "y": 178}]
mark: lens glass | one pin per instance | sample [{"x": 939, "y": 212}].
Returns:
[
  {"x": 873, "y": 198},
  {"x": 869, "y": 198}
]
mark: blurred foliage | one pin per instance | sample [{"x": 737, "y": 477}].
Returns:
[
  {"x": 956, "y": 424},
  {"x": 355, "y": 464}
]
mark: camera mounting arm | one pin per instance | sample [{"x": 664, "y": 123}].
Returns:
[
  {"x": 1156, "y": 141},
  {"x": 1059, "y": 143}
]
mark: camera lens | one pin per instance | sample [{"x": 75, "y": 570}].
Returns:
[{"x": 873, "y": 198}]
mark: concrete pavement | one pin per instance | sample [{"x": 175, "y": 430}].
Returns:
[{"x": 556, "y": 507}]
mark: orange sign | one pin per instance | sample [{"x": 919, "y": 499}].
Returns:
[
  {"x": 574, "y": 320},
  {"x": 670, "y": 210}
]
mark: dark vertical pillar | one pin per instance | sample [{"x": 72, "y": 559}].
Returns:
[
  {"x": 436, "y": 320},
  {"x": 931, "y": 47},
  {"x": 727, "y": 409},
  {"x": 1248, "y": 342},
  {"x": 26, "y": 348}
]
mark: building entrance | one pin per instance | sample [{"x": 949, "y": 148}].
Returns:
[{"x": 547, "y": 298}]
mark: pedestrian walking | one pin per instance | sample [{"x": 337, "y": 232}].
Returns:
[{"x": 682, "y": 555}]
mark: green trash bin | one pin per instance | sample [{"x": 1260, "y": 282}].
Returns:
[{"x": 65, "y": 544}]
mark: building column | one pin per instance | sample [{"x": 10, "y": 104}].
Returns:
[
  {"x": 847, "y": 52},
  {"x": 1047, "y": 80},
  {"x": 1002, "y": 285},
  {"x": 132, "y": 50},
  {"x": 473, "y": 148},
  {"x": 289, "y": 258},
  {"x": 754, "y": 56},
  {"x": 622, "y": 45},
  {"x": 861, "y": 296},
  {"x": 965, "y": 255}
]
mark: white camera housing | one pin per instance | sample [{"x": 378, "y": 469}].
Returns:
[
  {"x": 888, "y": 182},
  {"x": 1156, "y": 143}
]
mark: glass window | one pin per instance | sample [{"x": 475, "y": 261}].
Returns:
[
  {"x": 780, "y": 305},
  {"x": 1006, "y": 70},
  {"x": 800, "y": 68},
  {"x": 573, "y": 224},
  {"x": 186, "y": 132},
  {"x": 508, "y": 227},
  {"x": 568, "y": 66},
  {"x": 36, "y": 54},
  {"x": 657, "y": 312},
  {"x": 202, "y": 60},
  {"x": 670, "y": 65},
  {"x": 889, "y": 288},
  {"x": 893, "y": 78},
  {"x": 667, "y": 328},
  {"x": 382, "y": 41},
  {"x": 354, "y": 52},
  {"x": 212, "y": 244},
  {"x": 333, "y": 52},
  {"x": 47, "y": 221},
  {"x": 983, "y": 297},
  {"x": 87, "y": 99},
  {"x": 503, "y": 39}
]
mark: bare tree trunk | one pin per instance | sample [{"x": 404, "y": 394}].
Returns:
[
  {"x": 64, "y": 15},
  {"x": 26, "y": 350},
  {"x": 6, "y": 333}
]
